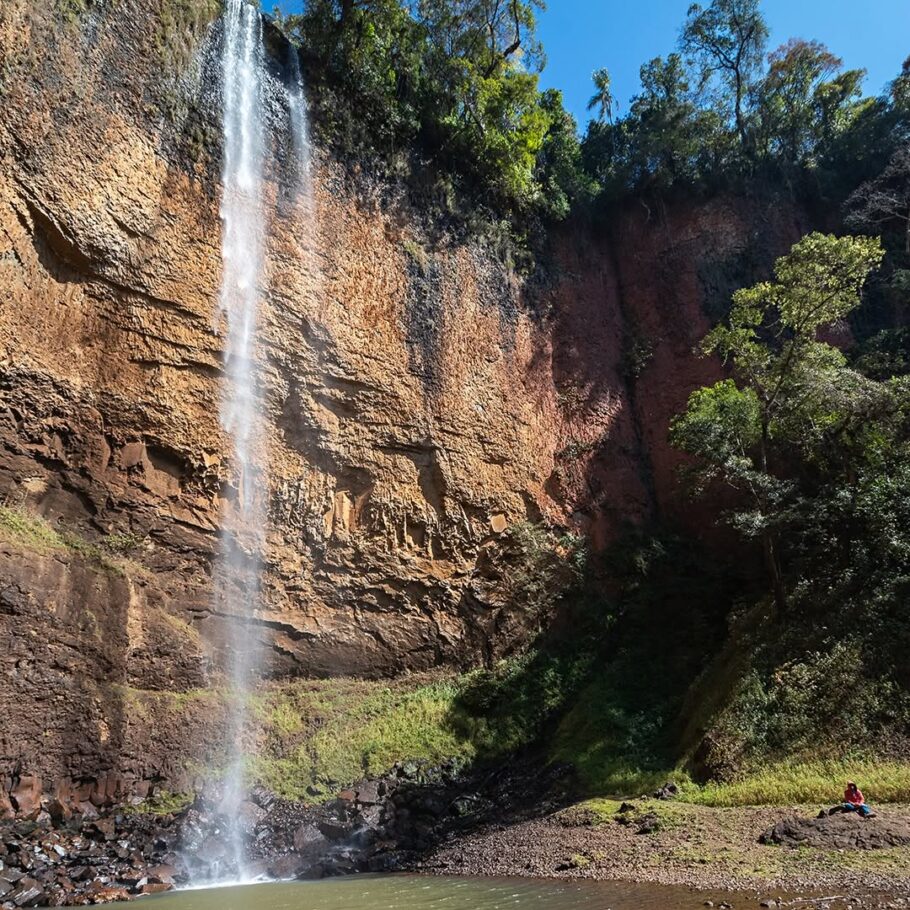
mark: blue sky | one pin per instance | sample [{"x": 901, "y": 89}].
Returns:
[{"x": 581, "y": 35}]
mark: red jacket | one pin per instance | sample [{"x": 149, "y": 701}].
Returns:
[{"x": 854, "y": 796}]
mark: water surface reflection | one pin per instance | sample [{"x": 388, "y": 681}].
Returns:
[{"x": 416, "y": 892}]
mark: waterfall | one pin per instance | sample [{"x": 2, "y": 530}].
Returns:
[
  {"x": 298, "y": 124},
  {"x": 237, "y": 583},
  {"x": 251, "y": 95}
]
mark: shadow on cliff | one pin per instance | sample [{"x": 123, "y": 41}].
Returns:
[{"x": 595, "y": 708}]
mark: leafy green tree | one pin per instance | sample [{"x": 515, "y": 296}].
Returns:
[
  {"x": 488, "y": 34},
  {"x": 560, "y": 172},
  {"x": 727, "y": 39},
  {"x": 450, "y": 83},
  {"x": 484, "y": 57},
  {"x": 792, "y": 399},
  {"x": 667, "y": 132},
  {"x": 803, "y": 100}
]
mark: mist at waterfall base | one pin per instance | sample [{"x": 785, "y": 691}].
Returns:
[{"x": 237, "y": 575}]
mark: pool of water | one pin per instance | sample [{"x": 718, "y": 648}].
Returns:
[{"x": 416, "y": 892}]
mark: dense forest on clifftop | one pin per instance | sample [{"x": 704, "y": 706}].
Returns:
[{"x": 451, "y": 90}]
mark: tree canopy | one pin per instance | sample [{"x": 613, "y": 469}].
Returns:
[
  {"x": 723, "y": 108},
  {"x": 447, "y": 91},
  {"x": 795, "y": 425}
]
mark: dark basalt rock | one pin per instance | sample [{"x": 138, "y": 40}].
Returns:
[
  {"x": 380, "y": 825},
  {"x": 840, "y": 832},
  {"x": 668, "y": 791}
]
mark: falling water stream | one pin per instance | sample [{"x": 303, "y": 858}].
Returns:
[
  {"x": 299, "y": 127},
  {"x": 243, "y": 229},
  {"x": 248, "y": 90}
]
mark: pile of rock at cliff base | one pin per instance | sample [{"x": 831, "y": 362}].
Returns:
[
  {"x": 81, "y": 861},
  {"x": 384, "y": 824}
]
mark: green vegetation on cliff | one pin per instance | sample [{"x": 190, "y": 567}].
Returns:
[
  {"x": 722, "y": 108},
  {"x": 31, "y": 531},
  {"x": 319, "y": 735},
  {"x": 447, "y": 94},
  {"x": 815, "y": 454}
]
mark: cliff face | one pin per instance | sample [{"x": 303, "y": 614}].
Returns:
[
  {"x": 417, "y": 404},
  {"x": 633, "y": 301}
]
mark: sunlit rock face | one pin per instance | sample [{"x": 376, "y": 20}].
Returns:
[{"x": 418, "y": 399}]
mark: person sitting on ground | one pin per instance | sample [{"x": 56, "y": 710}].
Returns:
[{"x": 854, "y": 801}]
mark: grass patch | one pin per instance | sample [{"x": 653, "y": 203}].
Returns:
[
  {"x": 320, "y": 735},
  {"x": 820, "y": 782},
  {"x": 162, "y": 803},
  {"x": 782, "y": 784},
  {"x": 599, "y": 811},
  {"x": 28, "y": 530},
  {"x": 34, "y": 532},
  {"x": 317, "y": 735}
]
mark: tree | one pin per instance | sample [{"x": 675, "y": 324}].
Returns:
[
  {"x": 488, "y": 34},
  {"x": 795, "y": 102},
  {"x": 559, "y": 171},
  {"x": 667, "y": 133},
  {"x": 792, "y": 398},
  {"x": 884, "y": 202},
  {"x": 727, "y": 39},
  {"x": 602, "y": 99}
]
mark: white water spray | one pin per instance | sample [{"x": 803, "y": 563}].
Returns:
[
  {"x": 299, "y": 126},
  {"x": 243, "y": 229}
]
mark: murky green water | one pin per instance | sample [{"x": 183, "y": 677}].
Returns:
[{"x": 414, "y": 892}]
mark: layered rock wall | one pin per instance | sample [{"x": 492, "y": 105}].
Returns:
[{"x": 419, "y": 400}]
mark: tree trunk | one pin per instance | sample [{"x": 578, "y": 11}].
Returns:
[
  {"x": 769, "y": 550},
  {"x": 772, "y": 565}
]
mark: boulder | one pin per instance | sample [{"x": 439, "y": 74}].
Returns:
[
  {"x": 213, "y": 849},
  {"x": 848, "y": 831},
  {"x": 287, "y": 867},
  {"x": 163, "y": 873},
  {"x": 368, "y": 793},
  {"x": 648, "y": 823},
  {"x": 249, "y": 815},
  {"x": 27, "y": 893},
  {"x": 25, "y": 796},
  {"x": 87, "y": 810},
  {"x": 58, "y": 810},
  {"x": 335, "y": 829},
  {"x": 102, "y": 828},
  {"x": 310, "y": 842}
]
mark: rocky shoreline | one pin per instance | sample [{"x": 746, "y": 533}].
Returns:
[
  {"x": 441, "y": 820},
  {"x": 61, "y": 857}
]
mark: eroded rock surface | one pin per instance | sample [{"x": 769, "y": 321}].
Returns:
[{"x": 419, "y": 400}]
